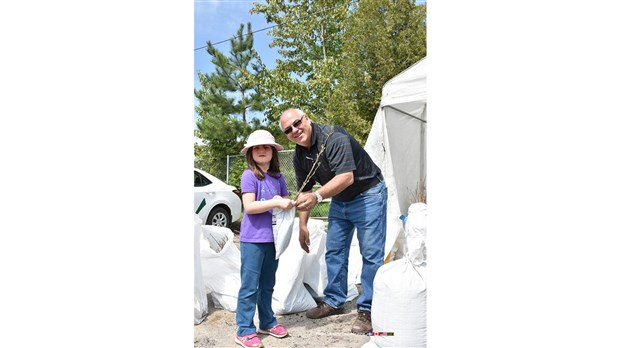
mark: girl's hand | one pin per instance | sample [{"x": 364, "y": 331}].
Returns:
[{"x": 284, "y": 203}]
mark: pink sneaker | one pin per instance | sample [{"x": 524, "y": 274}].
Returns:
[
  {"x": 277, "y": 331},
  {"x": 249, "y": 341}
]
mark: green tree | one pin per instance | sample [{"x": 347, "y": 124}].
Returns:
[
  {"x": 337, "y": 55},
  {"x": 309, "y": 39},
  {"x": 382, "y": 38},
  {"x": 226, "y": 99}
]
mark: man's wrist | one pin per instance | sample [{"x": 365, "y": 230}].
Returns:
[{"x": 319, "y": 198}]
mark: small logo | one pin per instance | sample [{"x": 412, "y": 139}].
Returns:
[{"x": 380, "y": 333}]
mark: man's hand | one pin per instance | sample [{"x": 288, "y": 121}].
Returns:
[
  {"x": 305, "y": 201},
  {"x": 304, "y": 238}
]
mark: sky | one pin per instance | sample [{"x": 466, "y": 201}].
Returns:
[
  {"x": 219, "y": 20},
  {"x": 216, "y": 21}
]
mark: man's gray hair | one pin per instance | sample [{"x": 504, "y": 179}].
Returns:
[{"x": 298, "y": 111}]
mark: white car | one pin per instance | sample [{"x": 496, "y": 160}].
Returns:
[{"x": 215, "y": 202}]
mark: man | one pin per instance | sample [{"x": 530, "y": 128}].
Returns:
[{"x": 348, "y": 175}]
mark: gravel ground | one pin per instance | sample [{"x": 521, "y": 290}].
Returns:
[{"x": 219, "y": 328}]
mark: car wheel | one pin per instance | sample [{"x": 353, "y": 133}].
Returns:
[{"x": 219, "y": 217}]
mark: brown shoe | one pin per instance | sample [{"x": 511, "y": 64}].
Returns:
[
  {"x": 363, "y": 323},
  {"x": 323, "y": 310}
]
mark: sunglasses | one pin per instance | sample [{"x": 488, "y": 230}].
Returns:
[{"x": 295, "y": 124}]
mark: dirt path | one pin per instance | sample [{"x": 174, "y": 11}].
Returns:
[{"x": 219, "y": 328}]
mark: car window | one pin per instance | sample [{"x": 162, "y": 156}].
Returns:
[{"x": 200, "y": 180}]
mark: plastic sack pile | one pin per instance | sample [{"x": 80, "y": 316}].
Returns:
[
  {"x": 301, "y": 277},
  {"x": 220, "y": 261},
  {"x": 399, "y": 290},
  {"x": 201, "y": 308}
]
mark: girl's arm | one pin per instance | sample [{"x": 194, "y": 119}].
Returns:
[{"x": 252, "y": 206}]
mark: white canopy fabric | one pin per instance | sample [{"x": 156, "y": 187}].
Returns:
[
  {"x": 397, "y": 144},
  {"x": 407, "y": 90}
]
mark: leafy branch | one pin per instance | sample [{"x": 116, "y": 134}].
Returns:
[{"x": 316, "y": 164}]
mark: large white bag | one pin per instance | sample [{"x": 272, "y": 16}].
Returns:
[
  {"x": 399, "y": 290},
  {"x": 283, "y": 221},
  {"x": 221, "y": 265},
  {"x": 315, "y": 268},
  {"x": 302, "y": 276},
  {"x": 355, "y": 261},
  {"x": 415, "y": 232},
  {"x": 289, "y": 294},
  {"x": 399, "y": 304},
  {"x": 315, "y": 275},
  {"x": 201, "y": 308}
]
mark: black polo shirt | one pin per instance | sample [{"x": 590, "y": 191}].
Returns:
[{"x": 342, "y": 154}]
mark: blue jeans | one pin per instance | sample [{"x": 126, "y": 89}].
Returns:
[
  {"x": 367, "y": 213},
  {"x": 258, "y": 277}
]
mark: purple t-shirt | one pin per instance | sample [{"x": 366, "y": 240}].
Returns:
[{"x": 257, "y": 228}]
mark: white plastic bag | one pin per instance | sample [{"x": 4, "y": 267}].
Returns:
[
  {"x": 282, "y": 229},
  {"x": 369, "y": 344},
  {"x": 415, "y": 232},
  {"x": 201, "y": 308},
  {"x": 289, "y": 294},
  {"x": 221, "y": 265},
  {"x": 355, "y": 261},
  {"x": 399, "y": 290},
  {"x": 399, "y": 246},
  {"x": 315, "y": 268},
  {"x": 302, "y": 276},
  {"x": 399, "y": 305},
  {"x": 315, "y": 275}
]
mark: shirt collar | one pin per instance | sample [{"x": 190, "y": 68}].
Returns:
[{"x": 315, "y": 134}]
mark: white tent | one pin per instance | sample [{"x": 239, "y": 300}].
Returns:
[{"x": 397, "y": 144}]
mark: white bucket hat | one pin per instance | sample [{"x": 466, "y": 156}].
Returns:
[{"x": 261, "y": 137}]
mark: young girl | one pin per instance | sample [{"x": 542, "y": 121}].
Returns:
[{"x": 263, "y": 188}]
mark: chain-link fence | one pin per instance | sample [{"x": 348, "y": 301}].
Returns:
[{"x": 235, "y": 164}]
